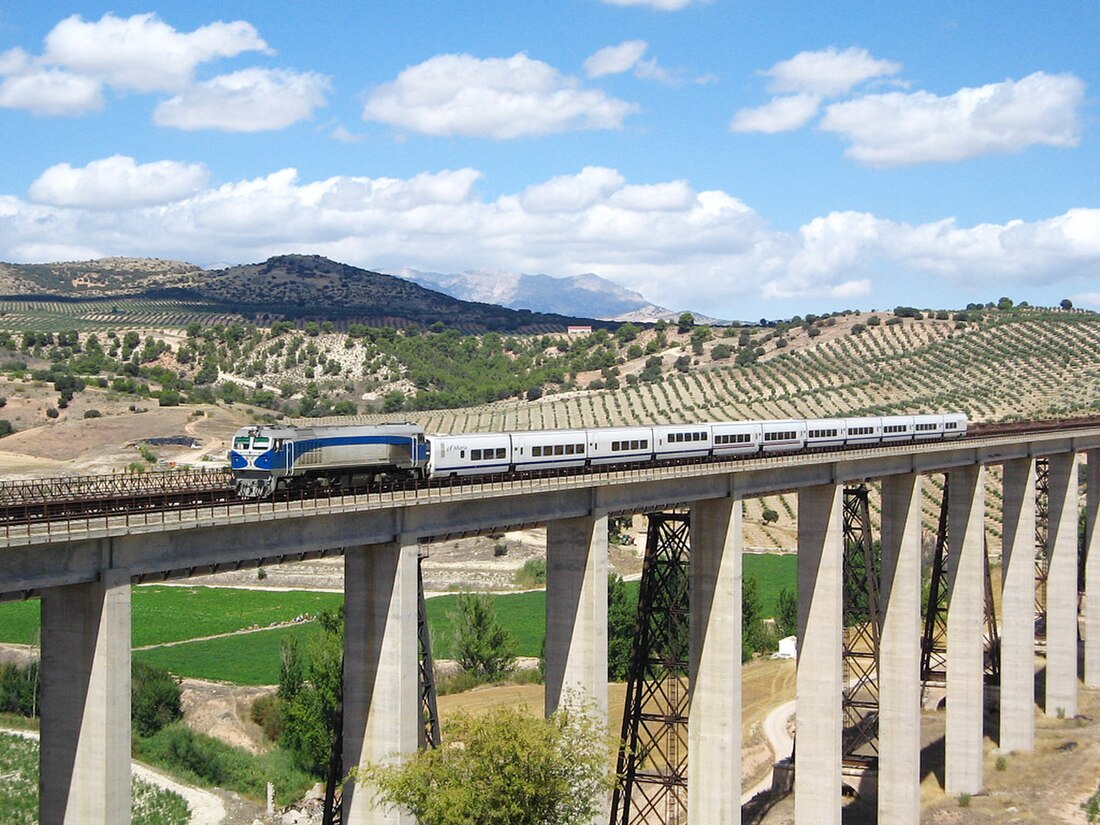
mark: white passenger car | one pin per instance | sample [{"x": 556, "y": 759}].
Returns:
[
  {"x": 619, "y": 445},
  {"x": 467, "y": 455},
  {"x": 783, "y": 435},
  {"x": 897, "y": 428},
  {"x": 826, "y": 432},
  {"x": 681, "y": 440},
  {"x": 548, "y": 449},
  {"x": 736, "y": 438}
]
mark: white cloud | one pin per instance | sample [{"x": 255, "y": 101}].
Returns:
[
  {"x": 678, "y": 246},
  {"x": 660, "y": 5},
  {"x": 1091, "y": 299},
  {"x": 142, "y": 52},
  {"x": 118, "y": 183},
  {"x": 899, "y": 129},
  {"x": 251, "y": 100},
  {"x": 572, "y": 193},
  {"x": 51, "y": 92},
  {"x": 828, "y": 73},
  {"x": 782, "y": 114},
  {"x": 502, "y": 98},
  {"x": 615, "y": 59}
]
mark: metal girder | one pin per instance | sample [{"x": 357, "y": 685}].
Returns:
[
  {"x": 652, "y": 761},
  {"x": 933, "y": 668},
  {"x": 862, "y": 630}
]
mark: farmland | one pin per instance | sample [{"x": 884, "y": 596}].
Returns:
[{"x": 172, "y": 625}]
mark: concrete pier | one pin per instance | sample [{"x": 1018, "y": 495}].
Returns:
[
  {"x": 1061, "y": 681},
  {"x": 85, "y": 756},
  {"x": 714, "y": 721},
  {"x": 899, "y": 653},
  {"x": 820, "y": 633},
  {"x": 1092, "y": 572},
  {"x": 381, "y": 712},
  {"x": 1018, "y": 607},
  {"x": 576, "y": 614},
  {"x": 965, "y": 606}
]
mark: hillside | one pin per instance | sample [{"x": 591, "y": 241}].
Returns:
[{"x": 286, "y": 287}]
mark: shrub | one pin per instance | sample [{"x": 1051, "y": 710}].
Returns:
[
  {"x": 532, "y": 574},
  {"x": 155, "y": 698},
  {"x": 51, "y": 412},
  {"x": 6, "y": 427},
  {"x": 858, "y": 329},
  {"x": 92, "y": 414},
  {"x": 267, "y": 712}
]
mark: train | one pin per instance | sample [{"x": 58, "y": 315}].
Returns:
[{"x": 265, "y": 458}]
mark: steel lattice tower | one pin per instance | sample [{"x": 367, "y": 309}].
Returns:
[
  {"x": 652, "y": 762},
  {"x": 933, "y": 667},
  {"x": 862, "y": 630},
  {"x": 1042, "y": 525}
]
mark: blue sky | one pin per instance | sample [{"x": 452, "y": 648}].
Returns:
[{"x": 743, "y": 160}]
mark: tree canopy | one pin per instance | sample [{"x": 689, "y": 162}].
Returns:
[{"x": 505, "y": 767}]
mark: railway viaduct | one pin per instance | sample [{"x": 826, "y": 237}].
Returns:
[{"x": 82, "y": 569}]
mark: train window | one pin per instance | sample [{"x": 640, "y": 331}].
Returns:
[
  {"x": 559, "y": 449},
  {"x": 240, "y": 443},
  {"x": 569, "y": 449},
  {"x": 462, "y": 454},
  {"x": 501, "y": 452},
  {"x": 580, "y": 449},
  {"x": 634, "y": 445},
  {"x": 536, "y": 451},
  {"x": 475, "y": 455},
  {"x": 950, "y": 425},
  {"x": 260, "y": 443}
]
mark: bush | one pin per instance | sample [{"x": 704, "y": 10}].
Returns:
[
  {"x": 51, "y": 412},
  {"x": 154, "y": 698},
  {"x": 92, "y": 414},
  {"x": 858, "y": 329},
  {"x": 267, "y": 712},
  {"x": 532, "y": 574},
  {"x": 6, "y": 427}
]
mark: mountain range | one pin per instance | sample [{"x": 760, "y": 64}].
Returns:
[
  {"x": 587, "y": 294},
  {"x": 310, "y": 287}
]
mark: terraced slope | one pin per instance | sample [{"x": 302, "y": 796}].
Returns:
[{"x": 999, "y": 370}]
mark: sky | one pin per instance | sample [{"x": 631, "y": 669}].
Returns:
[{"x": 745, "y": 160}]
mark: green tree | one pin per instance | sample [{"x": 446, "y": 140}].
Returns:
[
  {"x": 786, "y": 619},
  {"x": 154, "y": 698},
  {"x": 621, "y": 613},
  {"x": 1066, "y": 303},
  {"x": 511, "y": 769},
  {"x": 482, "y": 645},
  {"x": 1005, "y": 303},
  {"x": 685, "y": 323},
  {"x": 311, "y": 716}
]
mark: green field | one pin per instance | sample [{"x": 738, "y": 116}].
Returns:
[{"x": 175, "y": 614}]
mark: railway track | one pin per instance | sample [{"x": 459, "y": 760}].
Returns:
[{"x": 60, "y": 499}]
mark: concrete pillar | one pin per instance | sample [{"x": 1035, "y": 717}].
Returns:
[
  {"x": 820, "y": 633},
  {"x": 899, "y": 653},
  {"x": 1061, "y": 698},
  {"x": 714, "y": 719},
  {"x": 965, "y": 638},
  {"x": 85, "y": 754},
  {"x": 1092, "y": 572},
  {"x": 576, "y": 614},
  {"x": 381, "y": 707},
  {"x": 1018, "y": 607}
]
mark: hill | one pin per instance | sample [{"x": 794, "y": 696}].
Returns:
[{"x": 287, "y": 287}]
